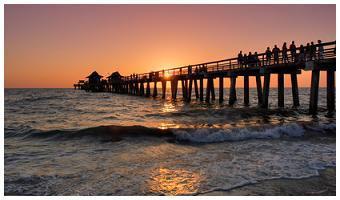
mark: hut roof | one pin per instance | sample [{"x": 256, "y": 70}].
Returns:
[
  {"x": 115, "y": 75},
  {"x": 94, "y": 74}
]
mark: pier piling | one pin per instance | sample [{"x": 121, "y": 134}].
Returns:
[
  {"x": 189, "y": 90},
  {"x": 147, "y": 94},
  {"x": 201, "y": 89},
  {"x": 154, "y": 89},
  {"x": 266, "y": 84},
  {"x": 212, "y": 89},
  {"x": 141, "y": 93},
  {"x": 280, "y": 89},
  {"x": 208, "y": 90},
  {"x": 295, "y": 90},
  {"x": 163, "y": 89},
  {"x": 330, "y": 91},
  {"x": 314, "y": 92},
  {"x": 246, "y": 89},
  {"x": 259, "y": 89},
  {"x": 220, "y": 99},
  {"x": 196, "y": 88},
  {"x": 232, "y": 93}
]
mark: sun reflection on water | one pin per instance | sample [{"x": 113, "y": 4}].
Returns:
[
  {"x": 164, "y": 126},
  {"x": 168, "y": 107},
  {"x": 174, "y": 182}
]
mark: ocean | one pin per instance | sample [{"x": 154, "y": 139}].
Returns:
[{"x": 69, "y": 142}]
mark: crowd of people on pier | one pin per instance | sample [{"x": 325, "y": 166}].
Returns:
[{"x": 273, "y": 56}]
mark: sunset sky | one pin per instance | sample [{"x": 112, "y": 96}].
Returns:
[{"x": 56, "y": 45}]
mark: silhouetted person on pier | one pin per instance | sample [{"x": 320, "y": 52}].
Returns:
[
  {"x": 301, "y": 57},
  {"x": 189, "y": 69},
  {"x": 257, "y": 60},
  {"x": 284, "y": 53},
  {"x": 276, "y": 52},
  {"x": 205, "y": 68},
  {"x": 151, "y": 75},
  {"x": 251, "y": 60},
  {"x": 268, "y": 56},
  {"x": 320, "y": 50},
  {"x": 196, "y": 70},
  {"x": 292, "y": 49},
  {"x": 245, "y": 60},
  {"x": 313, "y": 51},
  {"x": 240, "y": 59},
  {"x": 308, "y": 52}
]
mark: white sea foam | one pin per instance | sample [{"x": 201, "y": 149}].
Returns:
[{"x": 220, "y": 135}]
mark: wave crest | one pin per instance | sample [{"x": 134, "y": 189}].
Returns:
[
  {"x": 221, "y": 135},
  {"x": 196, "y": 135}
]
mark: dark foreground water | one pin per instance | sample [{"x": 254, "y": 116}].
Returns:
[{"x": 69, "y": 142}]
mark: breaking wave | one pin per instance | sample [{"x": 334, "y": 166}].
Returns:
[
  {"x": 196, "y": 135},
  {"x": 221, "y": 135}
]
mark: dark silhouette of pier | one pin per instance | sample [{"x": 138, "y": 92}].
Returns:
[{"x": 322, "y": 57}]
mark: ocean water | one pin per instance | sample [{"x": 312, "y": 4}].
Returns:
[{"x": 69, "y": 142}]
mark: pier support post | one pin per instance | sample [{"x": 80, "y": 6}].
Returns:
[
  {"x": 220, "y": 93},
  {"x": 259, "y": 89},
  {"x": 184, "y": 88},
  {"x": 112, "y": 88},
  {"x": 232, "y": 93},
  {"x": 163, "y": 89},
  {"x": 147, "y": 94},
  {"x": 189, "y": 90},
  {"x": 196, "y": 88},
  {"x": 141, "y": 93},
  {"x": 208, "y": 90},
  {"x": 154, "y": 89},
  {"x": 212, "y": 89},
  {"x": 314, "y": 92},
  {"x": 266, "y": 88},
  {"x": 295, "y": 90},
  {"x": 137, "y": 89},
  {"x": 330, "y": 91},
  {"x": 201, "y": 89},
  {"x": 246, "y": 89},
  {"x": 131, "y": 88},
  {"x": 280, "y": 89},
  {"x": 174, "y": 85}
]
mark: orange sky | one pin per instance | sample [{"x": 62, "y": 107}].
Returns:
[{"x": 56, "y": 45}]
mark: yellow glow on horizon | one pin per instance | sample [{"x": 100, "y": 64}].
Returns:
[{"x": 167, "y": 75}]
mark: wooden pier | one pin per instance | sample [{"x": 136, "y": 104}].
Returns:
[{"x": 194, "y": 75}]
